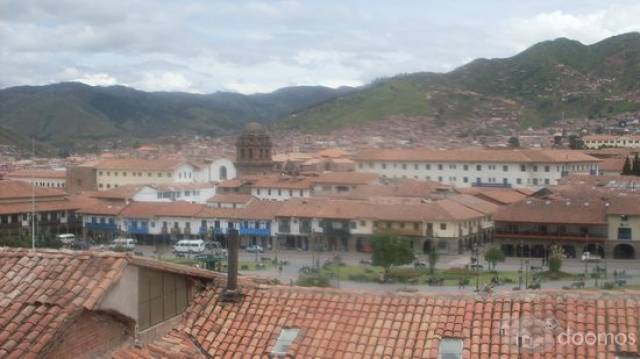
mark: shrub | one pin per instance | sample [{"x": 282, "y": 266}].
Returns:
[
  {"x": 313, "y": 280},
  {"x": 404, "y": 275},
  {"x": 361, "y": 277}
]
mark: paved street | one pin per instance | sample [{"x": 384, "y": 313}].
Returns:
[{"x": 299, "y": 259}]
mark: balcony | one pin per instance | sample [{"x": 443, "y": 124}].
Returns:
[
  {"x": 284, "y": 227},
  {"x": 335, "y": 228},
  {"x": 255, "y": 232},
  {"x": 100, "y": 226},
  {"x": 138, "y": 230},
  {"x": 559, "y": 236},
  {"x": 398, "y": 231}
]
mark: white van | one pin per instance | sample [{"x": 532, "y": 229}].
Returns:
[
  {"x": 66, "y": 238},
  {"x": 128, "y": 244},
  {"x": 185, "y": 246}
]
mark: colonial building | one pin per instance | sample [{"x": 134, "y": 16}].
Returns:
[
  {"x": 605, "y": 141},
  {"x": 480, "y": 168},
  {"x": 607, "y": 225},
  {"x": 54, "y": 210},
  {"x": 254, "y": 151},
  {"x": 39, "y": 177}
]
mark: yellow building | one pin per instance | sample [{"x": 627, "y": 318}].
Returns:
[{"x": 112, "y": 173}]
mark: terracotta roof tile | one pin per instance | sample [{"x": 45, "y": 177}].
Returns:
[
  {"x": 341, "y": 324},
  {"x": 41, "y": 291}
]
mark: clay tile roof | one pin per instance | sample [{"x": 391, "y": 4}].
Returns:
[
  {"x": 348, "y": 178},
  {"x": 10, "y": 190},
  {"x": 341, "y": 324},
  {"x": 37, "y": 173},
  {"x": 231, "y": 198},
  {"x": 41, "y": 291},
  {"x": 162, "y": 209},
  {"x": 629, "y": 205},
  {"x": 612, "y": 164},
  {"x": 122, "y": 193},
  {"x": 477, "y": 155},
  {"x": 562, "y": 211}
]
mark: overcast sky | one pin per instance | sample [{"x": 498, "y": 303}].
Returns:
[{"x": 258, "y": 46}]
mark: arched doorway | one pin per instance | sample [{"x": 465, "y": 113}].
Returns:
[
  {"x": 427, "y": 246},
  {"x": 222, "y": 173},
  {"x": 624, "y": 251}
]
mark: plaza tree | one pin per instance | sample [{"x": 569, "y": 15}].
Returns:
[
  {"x": 494, "y": 255},
  {"x": 555, "y": 259},
  {"x": 390, "y": 250}
]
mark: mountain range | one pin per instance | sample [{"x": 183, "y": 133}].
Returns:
[{"x": 535, "y": 87}]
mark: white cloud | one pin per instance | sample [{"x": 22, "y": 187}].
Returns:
[
  {"x": 590, "y": 27},
  {"x": 261, "y": 45},
  {"x": 164, "y": 81}
]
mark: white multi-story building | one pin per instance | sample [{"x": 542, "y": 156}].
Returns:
[
  {"x": 599, "y": 141},
  {"x": 482, "y": 168}
]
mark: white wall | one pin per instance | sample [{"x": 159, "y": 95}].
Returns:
[{"x": 465, "y": 174}]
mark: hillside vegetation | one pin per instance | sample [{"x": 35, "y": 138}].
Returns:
[{"x": 536, "y": 86}]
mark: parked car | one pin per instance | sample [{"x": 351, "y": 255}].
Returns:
[
  {"x": 66, "y": 238},
  {"x": 588, "y": 257},
  {"x": 215, "y": 248},
  {"x": 127, "y": 244},
  {"x": 254, "y": 248},
  {"x": 189, "y": 246}
]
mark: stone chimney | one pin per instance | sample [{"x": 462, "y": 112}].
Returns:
[{"x": 231, "y": 292}]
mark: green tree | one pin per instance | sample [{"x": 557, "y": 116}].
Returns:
[
  {"x": 575, "y": 142},
  {"x": 636, "y": 166},
  {"x": 514, "y": 142},
  {"x": 389, "y": 250},
  {"x": 433, "y": 259},
  {"x": 626, "y": 168},
  {"x": 494, "y": 255},
  {"x": 555, "y": 259}
]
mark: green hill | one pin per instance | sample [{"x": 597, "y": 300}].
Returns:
[
  {"x": 66, "y": 112},
  {"x": 537, "y": 86}
]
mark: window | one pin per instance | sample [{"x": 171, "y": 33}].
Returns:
[
  {"x": 404, "y": 166},
  {"x": 624, "y": 233},
  {"x": 427, "y": 166},
  {"x": 450, "y": 348},
  {"x": 465, "y": 167},
  {"x": 384, "y": 166},
  {"x": 547, "y": 168},
  {"x": 443, "y": 226},
  {"x": 479, "y": 167},
  {"x": 519, "y": 180},
  {"x": 535, "y": 168},
  {"x": 440, "y": 166},
  {"x": 465, "y": 179},
  {"x": 505, "y": 168},
  {"x": 523, "y": 168},
  {"x": 546, "y": 181},
  {"x": 286, "y": 337}
]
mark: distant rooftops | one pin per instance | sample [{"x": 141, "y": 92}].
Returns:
[{"x": 479, "y": 155}]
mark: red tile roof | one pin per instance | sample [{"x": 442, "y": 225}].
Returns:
[
  {"x": 18, "y": 190},
  {"x": 559, "y": 211},
  {"x": 479, "y": 155},
  {"x": 41, "y": 291},
  {"x": 343, "y": 324},
  {"x": 37, "y": 173}
]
